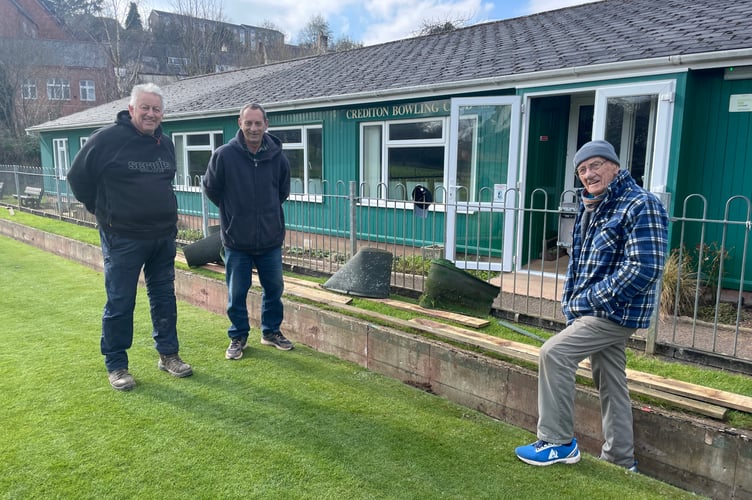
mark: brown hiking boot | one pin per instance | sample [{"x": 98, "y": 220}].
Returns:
[
  {"x": 172, "y": 364},
  {"x": 121, "y": 380}
]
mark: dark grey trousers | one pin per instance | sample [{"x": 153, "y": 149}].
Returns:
[{"x": 604, "y": 342}]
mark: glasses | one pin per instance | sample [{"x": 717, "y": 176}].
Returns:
[{"x": 593, "y": 167}]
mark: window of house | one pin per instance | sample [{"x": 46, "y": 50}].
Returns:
[
  {"x": 177, "y": 61},
  {"x": 303, "y": 148},
  {"x": 60, "y": 158},
  {"x": 192, "y": 153},
  {"x": 58, "y": 89},
  {"x": 396, "y": 156},
  {"x": 29, "y": 89},
  {"x": 86, "y": 90}
]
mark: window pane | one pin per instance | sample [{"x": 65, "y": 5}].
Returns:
[
  {"x": 409, "y": 167},
  {"x": 295, "y": 157},
  {"x": 198, "y": 139},
  {"x": 178, "y": 140},
  {"x": 629, "y": 124},
  {"x": 315, "y": 161},
  {"x": 197, "y": 162},
  {"x": 289, "y": 135},
  {"x": 86, "y": 90},
  {"x": 416, "y": 130},
  {"x": 372, "y": 162}
]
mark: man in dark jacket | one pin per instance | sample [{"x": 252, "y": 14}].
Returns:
[
  {"x": 123, "y": 175},
  {"x": 249, "y": 179}
]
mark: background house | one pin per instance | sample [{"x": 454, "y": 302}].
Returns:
[{"x": 47, "y": 72}]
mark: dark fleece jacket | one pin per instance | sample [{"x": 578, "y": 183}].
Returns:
[{"x": 249, "y": 190}]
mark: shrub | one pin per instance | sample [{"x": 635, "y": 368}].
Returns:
[{"x": 689, "y": 276}]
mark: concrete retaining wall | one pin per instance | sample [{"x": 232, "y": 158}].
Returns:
[{"x": 695, "y": 454}]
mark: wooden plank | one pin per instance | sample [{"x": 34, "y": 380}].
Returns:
[
  {"x": 436, "y": 313},
  {"x": 530, "y": 353},
  {"x": 689, "y": 390},
  {"x": 694, "y": 391},
  {"x": 505, "y": 347},
  {"x": 293, "y": 286},
  {"x": 316, "y": 295},
  {"x": 700, "y": 407}
]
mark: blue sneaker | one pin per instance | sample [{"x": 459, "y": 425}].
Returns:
[
  {"x": 633, "y": 468},
  {"x": 543, "y": 453}
]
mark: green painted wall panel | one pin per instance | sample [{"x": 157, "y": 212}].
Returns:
[{"x": 716, "y": 160}]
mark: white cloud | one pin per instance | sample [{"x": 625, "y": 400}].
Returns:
[
  {"x": 534, "y": 6},
  {"x": 396, "y": 19}
]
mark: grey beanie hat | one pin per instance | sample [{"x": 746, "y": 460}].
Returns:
[{"x": 604, "y": 149}]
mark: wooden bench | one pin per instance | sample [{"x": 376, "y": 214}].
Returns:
[{"x": 31, "y": 197}]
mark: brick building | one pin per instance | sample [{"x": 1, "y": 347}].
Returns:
[{"x": 48, "y": 71}]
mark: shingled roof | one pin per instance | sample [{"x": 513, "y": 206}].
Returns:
[{"x": 502, "y": 53}]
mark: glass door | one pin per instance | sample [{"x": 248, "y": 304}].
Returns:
[
  {"x": 481, "y": 181},
  {"x": 637, "y": 119}
]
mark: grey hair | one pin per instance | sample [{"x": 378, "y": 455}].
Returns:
[
  {"x": 146, "y": 88},
  {"x": 254, "y": 105}
]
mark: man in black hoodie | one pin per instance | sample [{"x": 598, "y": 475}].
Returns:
[
  {"x": 249, "y": 179},
  {"x": 123, "y": 175}
]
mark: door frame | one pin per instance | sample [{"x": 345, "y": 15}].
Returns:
[
  {"x": 504, "y": 198},
  {"x": 666, "y": 91}
]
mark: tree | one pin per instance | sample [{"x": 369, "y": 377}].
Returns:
[
  {"x": 345, "y": 43},
  {"x": 316, "y": 34},
  {"x": 66, "y": 10},
  {"x": 201, "y": 34},
  {"x": 124, "y": 48},
  {"x": 437, "y": 26},
  {"x": 133, "y": 20}
]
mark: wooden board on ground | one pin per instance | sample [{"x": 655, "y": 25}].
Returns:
[
  {"x": 505, "y": 347},
  {"x": 687, "y": 389},
  {"x": 316, "y": 294},
  {"x": 694, "y": 391},
  {"x": 293, "y": 286},
  {"x": 707, "y": 409},
  {"x": 437, "y": 313}
]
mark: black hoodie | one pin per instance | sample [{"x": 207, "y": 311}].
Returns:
[
  {"x": 125, "y": 178},
  {"x": 249, "y": 191}
]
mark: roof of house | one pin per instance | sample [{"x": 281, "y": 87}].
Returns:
[{"x": 669, "y": 35}]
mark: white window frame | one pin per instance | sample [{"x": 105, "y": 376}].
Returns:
[
  {"x": 303, "y": 145},
  {"x": 58, "y": 89},
  {"x": 29, "y": 89},
  {"x": 665, "y": 91},
  {"x": 177, "y": 61},
  {"x": 182, "y": 162},
  {"x": 60, "y": 157},
  {"x": 87, "y": 90},
  {"x": 379, "y": 195}
]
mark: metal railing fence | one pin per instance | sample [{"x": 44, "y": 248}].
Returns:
[{"x": 705, "y": 290}]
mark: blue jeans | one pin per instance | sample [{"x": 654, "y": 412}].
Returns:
[
  {"x": 123, "y": 260},
  {"x": 238, "y": 267}
]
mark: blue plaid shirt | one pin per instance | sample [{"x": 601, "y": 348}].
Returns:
[{"x": 615, "y": 265}]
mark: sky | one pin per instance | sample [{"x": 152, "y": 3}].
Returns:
[{"x": 367, "y": 21}]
